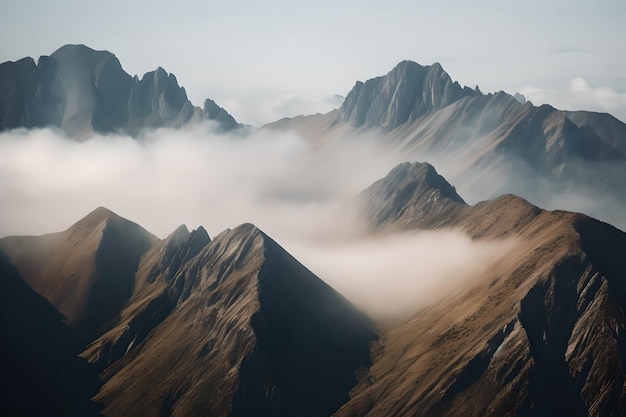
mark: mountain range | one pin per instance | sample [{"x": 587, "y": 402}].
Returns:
[
  {"x": 236, "y": 326},
  {"x": 105, "y": 318},
  {"x": 82, "y": 91}
]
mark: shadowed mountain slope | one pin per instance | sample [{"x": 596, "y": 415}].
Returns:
[
  {"x": 83, "y": 91},
  {"x": 34, "y": 342},
  {"x": 86, "y": 272},
  {"x": 39, "y": 371}
]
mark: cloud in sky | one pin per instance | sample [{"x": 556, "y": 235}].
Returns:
[
  {"x": 261, "y": 107},
  {"x": 580, "y": 95}
]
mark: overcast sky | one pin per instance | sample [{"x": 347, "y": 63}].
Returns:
[{"x": 266, "y": 60}]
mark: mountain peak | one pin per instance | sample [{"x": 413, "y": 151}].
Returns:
[
  {"x": 412, "y": 192},
  {"x": 79, "y": 49},
  {"x": 407, "y": 92},
  {"x": 94, "y": 218},
  {"x": 181, "y": 233},
  {"x": 81, "y": 56},
  {"x": 212, "y": 111}
]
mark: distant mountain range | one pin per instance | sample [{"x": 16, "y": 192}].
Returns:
[
  {"x": 491, "y": 144},
  {"x": 82, "y": 91},
  {"x": 106, "y": 319}
]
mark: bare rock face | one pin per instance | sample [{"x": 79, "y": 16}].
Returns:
[
  {"x": 211, "y": 111},
  {"x": 29, "y": 94},
  {"x": 407, "y": 92},
  {"x": 94, "y": 89},
  {"x": 156, "y": 101},
  {"x": 83, "y": 91}
]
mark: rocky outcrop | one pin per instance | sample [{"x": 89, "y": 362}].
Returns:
[{"x": 82, "y": 91}]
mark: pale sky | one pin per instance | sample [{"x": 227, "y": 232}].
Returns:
[{"x": 267, "y": 60}]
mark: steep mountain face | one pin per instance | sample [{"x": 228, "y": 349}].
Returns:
[
  {"x": 407, "y": 92},
  {"x": 232, "y": 326},
  {"x": 490, "y": 144},
  {"x": 211, "y": 111},
  {"x": 86, "y": 272},
  {"x": 30, "y": 94},
  {"x": 540, "y": 333},
  {"x": 156, "y": 100},
  {"x": 82, "y": 91}
]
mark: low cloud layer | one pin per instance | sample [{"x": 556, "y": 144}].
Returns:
[
  {"x": 393, "y": 276},
  {"x": 274, "y": 180},
  {"x": 172, "y": 177},
  {"x": 301, "y": 197}
]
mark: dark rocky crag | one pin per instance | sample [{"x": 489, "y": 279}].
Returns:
[{"x": 82, "y": 91}]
